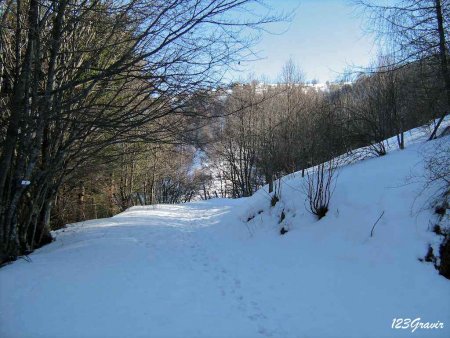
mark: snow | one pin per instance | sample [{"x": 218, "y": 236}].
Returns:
[{"x": 202, "y": 270}]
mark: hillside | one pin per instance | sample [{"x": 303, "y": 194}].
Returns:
[{"x": 220, "y": 268}]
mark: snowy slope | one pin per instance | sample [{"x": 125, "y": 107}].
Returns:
[{"x": 201, "y": 270}]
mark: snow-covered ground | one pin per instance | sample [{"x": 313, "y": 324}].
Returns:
[{"x": 202, "y": 270}]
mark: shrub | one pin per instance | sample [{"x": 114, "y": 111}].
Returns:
[
  {"x": 274, "y": 200},
  {"x": 320, "y": 183},
  {"x": 444, "y": 254}
]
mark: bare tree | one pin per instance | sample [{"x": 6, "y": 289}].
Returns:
[
  {"x": 411, "y": 31},
  {"x": 80, "y": 76}
]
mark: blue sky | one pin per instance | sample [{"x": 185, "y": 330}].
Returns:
[{"x": 324, "y": 37}]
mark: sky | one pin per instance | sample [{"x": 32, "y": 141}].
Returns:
[{"x": 324, "y": 38}]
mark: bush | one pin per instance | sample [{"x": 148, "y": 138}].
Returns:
[
  {"x": 274, "y": 200},
  {"x": 437, "y": 165},
  {"x": 320, "y": 183},
  {"x": 444, "y": 254}
]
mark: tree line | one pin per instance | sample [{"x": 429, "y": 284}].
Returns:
[{"x": 82, "y": 81}]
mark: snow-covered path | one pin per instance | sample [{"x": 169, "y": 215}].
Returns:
[
  {"x": 149, "y": 272},
  {"x": 197, "y": 270}
]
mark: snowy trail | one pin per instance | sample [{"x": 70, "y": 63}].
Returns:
[
  {"x": 198, "y": 270},
  {"x": 148, "y": 272}
]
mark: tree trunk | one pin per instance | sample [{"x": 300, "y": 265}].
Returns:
[
  {"x": 81, "y": 193},
  {"x": 443, "y": 50},
  {"x": 269, "y": 181}
]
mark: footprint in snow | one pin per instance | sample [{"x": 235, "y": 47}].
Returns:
[{"x": 263, "y": 331}]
